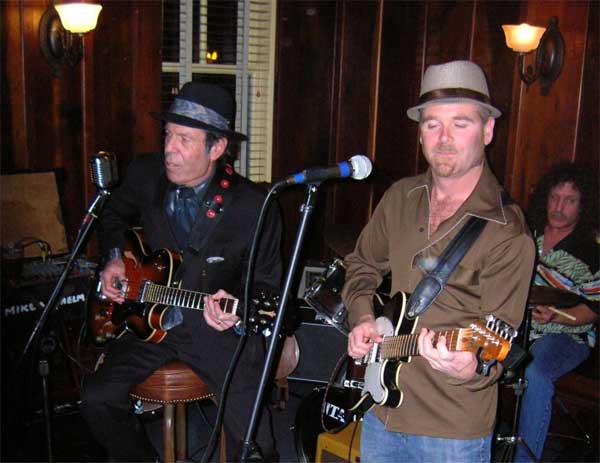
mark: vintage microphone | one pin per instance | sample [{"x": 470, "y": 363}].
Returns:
[
  {"x": 103, "y": 167},
  {"x": 104, "y": 176}
]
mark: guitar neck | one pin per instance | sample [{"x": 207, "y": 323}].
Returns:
[
  {"x": 406, "y": 345},
  {"x": 166, "y": 295}
]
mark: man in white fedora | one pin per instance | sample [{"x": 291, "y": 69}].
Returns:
[{"x": 444, "y": 407}]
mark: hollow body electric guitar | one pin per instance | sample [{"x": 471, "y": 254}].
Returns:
[
  {"x": 150, "y": 290},
  {"x": 375, "y": 378}
]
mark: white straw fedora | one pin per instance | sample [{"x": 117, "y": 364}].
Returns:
[{"x": 453, "y": 82}]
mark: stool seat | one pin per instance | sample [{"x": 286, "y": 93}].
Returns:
[
  {"x": 174, "y": 382},
  {"x": 173, "y": 385}
]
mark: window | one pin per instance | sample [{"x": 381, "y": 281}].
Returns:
[{"x": 230, "y": 43}]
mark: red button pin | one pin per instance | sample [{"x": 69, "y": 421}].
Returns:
[{"x": 211, "y": 214}]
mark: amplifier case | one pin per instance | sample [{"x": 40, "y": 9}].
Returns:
[{"x": 321, "y": 346}]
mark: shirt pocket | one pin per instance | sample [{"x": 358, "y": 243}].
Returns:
[{"x": 465, "y": 276}]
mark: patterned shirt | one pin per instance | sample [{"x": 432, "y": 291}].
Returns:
[{"x": 572, "y": 265}]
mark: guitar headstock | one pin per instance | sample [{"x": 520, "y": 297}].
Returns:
[{"x": 491, "y": 339}]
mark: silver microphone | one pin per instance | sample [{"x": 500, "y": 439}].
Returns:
[{"x": 104, "y": 170}]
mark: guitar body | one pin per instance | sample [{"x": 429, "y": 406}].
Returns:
[
  {"x": 374, "y": 379},
  {"x": 381, "y": 385},
  {"x": 143, "y": 319},
  {"x": 100, "y": 324}
]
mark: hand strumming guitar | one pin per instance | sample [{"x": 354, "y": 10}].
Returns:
[
  {"x": 362, "y": 337},
  {"x": 214, "y": 315},
  {"x": 112, "y": 276}
]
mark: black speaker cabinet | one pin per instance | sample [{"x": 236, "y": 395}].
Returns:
[{"x": 320, "y": 346}]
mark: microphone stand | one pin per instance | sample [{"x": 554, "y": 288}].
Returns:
[
  {"x": 43, "y": 364},
  {"x": 514, "y": 439},
  {"x": 250, "y": 451}
]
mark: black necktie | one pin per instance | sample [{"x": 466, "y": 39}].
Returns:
[{"x": 185, "y": 211}]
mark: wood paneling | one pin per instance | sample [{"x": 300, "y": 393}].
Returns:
[
  {"x": 490, "y": 51},
  {"x": 307, "y": 67},
  {"x": 352, "y": 114},
  {"x": 56, "y": 123},
  {"x": 402, "y": 40},
  {"x": 346, "y": 71},
  {"x": 588, "y": 141},
  {"x": 533, "y": 133},
  {"x": 544, "y": 128}
]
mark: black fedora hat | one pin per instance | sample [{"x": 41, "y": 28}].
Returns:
[{"x": 203, "y": 106}]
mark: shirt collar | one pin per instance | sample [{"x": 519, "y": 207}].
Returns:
[{"x": 485, "y": 201}]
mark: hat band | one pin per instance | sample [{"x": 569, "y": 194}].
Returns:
[
  {"x": 445, "y": 93},
  {"x": 199, "y": 113}
]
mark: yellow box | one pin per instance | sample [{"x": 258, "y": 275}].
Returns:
[{"x": 336, "y": 447}]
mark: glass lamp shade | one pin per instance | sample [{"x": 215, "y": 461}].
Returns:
[
  {"x": 78, "y": 18},
  {"x": 522, "y": 38}
]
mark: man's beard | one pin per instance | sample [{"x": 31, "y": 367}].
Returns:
[{"x": 443, "y": 165}]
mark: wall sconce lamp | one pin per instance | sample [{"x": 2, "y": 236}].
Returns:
[
  {"x": 60, "y": 31},
  {"x": 549, "y": 57}
]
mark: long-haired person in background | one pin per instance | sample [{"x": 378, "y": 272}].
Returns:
[{"x": 564, "y": 217}]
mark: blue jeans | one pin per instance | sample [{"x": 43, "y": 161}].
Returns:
[
  {"x": 380, "y": 446},
  {"x": 553, "y": 356}
]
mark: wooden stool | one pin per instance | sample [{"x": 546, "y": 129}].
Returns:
[{"x": 173, "y": 385}]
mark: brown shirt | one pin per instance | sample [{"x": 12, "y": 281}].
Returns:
[{"x": 493, "y": 278}]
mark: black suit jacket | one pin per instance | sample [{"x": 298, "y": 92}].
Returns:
[{"x": 217, "y": 253}]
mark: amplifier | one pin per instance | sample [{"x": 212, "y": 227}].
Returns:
[
  {"x": 23, "y": 302},
  {"x": 21, "y": 307},
  {"x": 320, "y": 344},
  {"x": 343, "y": 446}
]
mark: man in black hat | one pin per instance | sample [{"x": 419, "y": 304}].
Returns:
[{"x": 187, "y": 199}]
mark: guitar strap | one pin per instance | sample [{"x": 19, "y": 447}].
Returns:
[{"x": 432, "y": 284}]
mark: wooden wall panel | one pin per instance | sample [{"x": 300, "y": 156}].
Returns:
[
  {"x": 587, "y": 150},
  {"x": 396, "y": 138},
  {"x": 355, "y": 107},
  {"x": 56, "y": 122},
  {"x": 306, "y": 72},
  {"x": 345, "y": 77},
  {"x": 545, "y": 126},
  {"x": 126, "y": 82},
  {"x": 13, "y": 127},
  {"x": 489, "y": 50}
]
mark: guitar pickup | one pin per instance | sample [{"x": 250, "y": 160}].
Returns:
[
  {"x": 143, "y": 289},
  {"x": 373, "y": 355},
  {"x": 354, "y": 384}
]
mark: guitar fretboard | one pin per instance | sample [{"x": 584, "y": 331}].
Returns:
[
  {"x": 166, "y": 295},
  {"x": 406, "y": 345}
]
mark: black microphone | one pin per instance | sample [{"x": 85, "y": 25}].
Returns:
[
  {"x": 104, "y": 170},
  {"x": 358, "y": 167}
]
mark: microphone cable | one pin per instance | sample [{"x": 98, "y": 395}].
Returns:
[{"x": 210, "y": 448}]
